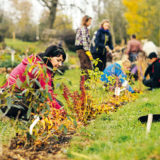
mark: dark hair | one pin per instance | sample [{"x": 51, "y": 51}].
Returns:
[
  {"x": 152, "y": 55},
  {"x": 52, "y": 51},
  {"x": 85, "y": 19},
  {"x": 133, "y": 36}
]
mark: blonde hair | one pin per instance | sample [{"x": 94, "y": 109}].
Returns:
[
  {"x": 85, "y": 19},
  {"x": 104, "y": 21},
  {"x": 126, "y": 62}
]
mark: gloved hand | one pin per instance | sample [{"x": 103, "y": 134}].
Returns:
[
  {"x": 125, "y": 83},
  {"x": 88, "y": 53}
]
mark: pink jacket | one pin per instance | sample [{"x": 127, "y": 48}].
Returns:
[{"x": 18, "y": 72}]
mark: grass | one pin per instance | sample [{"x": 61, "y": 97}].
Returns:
[
  {"x": 119, "y": 135},
  {"x": 22, "y": 47},
  {"x": 6, "y": 130},
  {"x": 31, "y": 47},
  {"x": 116, "y": 136}
]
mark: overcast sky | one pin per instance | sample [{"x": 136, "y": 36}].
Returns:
[{"x": 75, "y": 13}]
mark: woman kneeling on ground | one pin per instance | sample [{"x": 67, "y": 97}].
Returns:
[
  {"x": 117, "y": 71},
  {"x": 49, "y": 61}
]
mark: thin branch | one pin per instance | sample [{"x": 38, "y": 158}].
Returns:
[
  {"x": 44, "y": 3},
  {"x": 73, "y": 5}
]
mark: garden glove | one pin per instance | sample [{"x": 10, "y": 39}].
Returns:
[
  {"x": 88, "y": 53},
  {"x": 125, "y": 84}
]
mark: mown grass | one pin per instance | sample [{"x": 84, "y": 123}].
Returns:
[
  {"x": 30, "y": 47},
  {"x": 116, "y": 136},
  {"x": 6, "y": 130},
  {"x": 23, "y": 47},
  {"x": 119, "y": 135}
]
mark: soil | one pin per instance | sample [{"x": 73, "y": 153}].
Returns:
[{"x": 53, "y": 149}]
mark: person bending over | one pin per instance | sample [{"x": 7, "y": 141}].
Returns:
[
  {"x": 153, "y": 70},
  {"x": 50, "y": 60},
  {"x": 117, "y": 71}
]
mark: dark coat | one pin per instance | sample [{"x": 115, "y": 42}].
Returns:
[
  {"x": 154, "y": 71},
  {"x": 101, "y": 39}
]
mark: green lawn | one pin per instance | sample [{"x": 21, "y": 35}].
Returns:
[
  {"x": 2, "y": 79},
  {"x": 119, "y": 135},
  {"x": 23, "y": 47}
]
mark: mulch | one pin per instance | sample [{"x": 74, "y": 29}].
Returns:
[{"x": 53, "y": 149}]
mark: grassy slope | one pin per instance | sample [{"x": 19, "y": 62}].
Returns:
[
  {"x": 22, "y": 46},
  {"x": 115, "y": 136},
  {"x": 120, "y": 136}
]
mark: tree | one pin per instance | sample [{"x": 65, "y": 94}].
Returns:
[
  {"x": 22, "y": 12},
  {"x": 6, "y": 25},
  {"x": 143, "y": 18},
  {"x": 112, "y": 10},
  {"x": 24, "y": 27},
  {"x": 52, "y": 7}
]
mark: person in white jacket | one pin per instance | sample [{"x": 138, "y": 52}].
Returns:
[{"x": 149, "y": 47}]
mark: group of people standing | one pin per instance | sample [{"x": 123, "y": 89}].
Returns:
[{"x": 99, "y": 49}]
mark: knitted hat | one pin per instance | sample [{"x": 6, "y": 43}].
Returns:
[{"x": 152, "y": 55}]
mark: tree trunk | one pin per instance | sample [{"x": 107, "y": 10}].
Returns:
[{"x": 52, "y": 15}]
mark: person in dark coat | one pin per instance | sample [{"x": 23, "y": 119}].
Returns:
[
  {"x": 153, "y": 71},
  {"x": 101, "y": 43}
]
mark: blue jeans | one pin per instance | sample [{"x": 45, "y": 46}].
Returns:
[{"x": 133, "y": 56}]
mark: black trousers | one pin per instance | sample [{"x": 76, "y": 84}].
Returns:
[
  {"x": 13, "y": 112},
  {"x": 101, "y": 62},
  {"x": 150, "y": 83},
  {"x": 20, "y": 113}
]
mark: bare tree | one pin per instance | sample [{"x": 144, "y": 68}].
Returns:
[
  {"x": 112, "y": 10},
  {"x": 52, "y": 7}
]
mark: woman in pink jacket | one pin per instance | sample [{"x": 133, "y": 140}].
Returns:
[{"x": 50, "y": 60}]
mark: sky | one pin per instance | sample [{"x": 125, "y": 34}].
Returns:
[
  {"x": 6, "y": 5},
  {"x": 75, "y": 13}
]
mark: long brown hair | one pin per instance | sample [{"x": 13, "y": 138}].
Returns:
[{"x": 85, "y": 19}]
